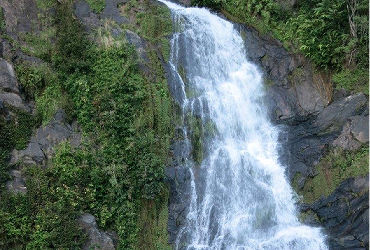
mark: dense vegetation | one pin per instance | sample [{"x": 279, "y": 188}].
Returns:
[
  {"x": 117, "y": 172},
  {"x": 333, "y": 34}
]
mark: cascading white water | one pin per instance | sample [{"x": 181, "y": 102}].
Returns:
[{"x": 242, "y": 200}]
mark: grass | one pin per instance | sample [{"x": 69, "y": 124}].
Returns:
[{"x": 96, "y": 5}]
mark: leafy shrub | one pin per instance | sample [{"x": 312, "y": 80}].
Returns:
[
  {"x": 353, "y": 80},
  {"x": 34, "y": 78},
  {"x": 44, "y": 217}
]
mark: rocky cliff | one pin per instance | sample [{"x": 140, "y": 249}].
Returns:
[{"x": 324, "y": 132}]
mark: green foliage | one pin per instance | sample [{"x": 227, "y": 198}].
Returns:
[
  {"x": 39, "y": 45},
  {"x": 96, "y": 5},
  {"x": 127, "y": 116},
  {"x": 34, "y": 78},
  {"x": 2, "y": 21},
  {"x": 71, "y": 48},
  {"x": 14, "y": 133},
  {"x": 352, "y": 80},
  {"x": 45, "y": 4},
  {"x": 321, "y": 32},
  {"x": 153, "y": 24},
  {"x": 52, "y": 99},
  {"x": 121, "y": 167},
  {"x": 334, "y": 168},
  {"x": 45, "y": 217}
]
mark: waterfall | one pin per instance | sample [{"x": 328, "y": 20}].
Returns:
[{"x": 240, "y": 198}]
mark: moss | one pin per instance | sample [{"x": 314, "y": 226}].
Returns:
[
  {"x": 40, "y": 44},
  {"x": 210, "y": 129},
  {"x": 2, "y": 21},
  {"x": 334, "y": 168},
  {"x": 197, "y": 137},
  {"x": 308, "y": 215},
  {"x": 295, "y": 180},
  {"x": 267, "y": 82},
  {"x": 152, "y": 222},
  {"x": 153, "y": 22}
]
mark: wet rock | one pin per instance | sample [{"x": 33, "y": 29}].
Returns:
[
  {"x": 42, "y": 144},
  {"x": 178, "y": 178},
  {"x": 14, "y": 100},
  {"x": 346, "y": 140},
  {"x": 97, "y": 239},
  {"x": 360, "y": 128},
  {"x": 345, "y": 214},
  {"x": 186, "y": 3},
  {"x": 305, "y": 142},
  {"x": 8, "y": 81},
  {"x": 5, "y": 50}
]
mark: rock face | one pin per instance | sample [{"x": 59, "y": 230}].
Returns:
[
  {"x": 97, "y": 239},
  {"x": 88, "y": 18},
  {"x": 42, "y": 145},
  {"x": 41, "y": 148},
  {"x": 19, "y": 16},
  {"x": 92, "y": 20},
  {"x": 9, "y": 87},
  {"x": 178, "y": 178},
  {"x": 345, "y": 214},
  {"x": 305, "y": 143},
  {"x": 294, "y": 90}
]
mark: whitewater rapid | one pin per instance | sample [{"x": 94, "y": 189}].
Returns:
[{"x": 241, "y": 198}]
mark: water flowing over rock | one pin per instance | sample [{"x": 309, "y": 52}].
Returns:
[{"x": 237, "y": 195}]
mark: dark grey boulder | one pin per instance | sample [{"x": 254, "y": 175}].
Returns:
[
  {"x": 18, "y": 184},
  {"x": 112, "y": 12},
  {"x": 97, "y": 239},
  {"x": 354, "y": 133},
  {"x": 20, "y": 17},
  {"x": 345, "y": 214},
  {"x": 87, "y": 17},
  {"x": 333, "y": 117},
  {"x": 139, "y": 44},
  {"x": 8, "y": 80},
  {"x": 9, "y": 88},
  {"x": 360, "y": 128},
  {"x": 42, "y": 144}
]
